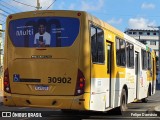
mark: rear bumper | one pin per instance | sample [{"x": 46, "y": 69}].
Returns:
[{"x": 57, "y": 102}]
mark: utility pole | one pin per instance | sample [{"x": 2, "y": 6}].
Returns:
[{"x": 38, "y": 5}]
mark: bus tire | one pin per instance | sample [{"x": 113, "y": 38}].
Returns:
[
  {"x": 123, "y": 103},
  {"x": 123, "y": 100},
  {"x": 145, "y": 100}
]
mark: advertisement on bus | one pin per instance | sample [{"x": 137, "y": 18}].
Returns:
[{"x": 44, "y": 32}]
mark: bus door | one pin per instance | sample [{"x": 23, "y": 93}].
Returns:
[
  {"x": 108, "y": 72},
  {"x": 137, "y": 67},
  {"x": 153, "y": 73}
]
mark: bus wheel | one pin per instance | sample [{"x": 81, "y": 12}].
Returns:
[
  {"x": 123, "y": 106},
  {"x": 123, "y": 103},
  {"x": 145, "y": 100}
]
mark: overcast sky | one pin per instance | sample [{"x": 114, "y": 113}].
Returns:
[{"x": 122, "y": 14}]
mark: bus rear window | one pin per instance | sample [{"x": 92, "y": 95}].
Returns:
[{"x": 41, "y": 32}]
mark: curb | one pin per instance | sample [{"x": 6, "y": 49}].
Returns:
[
  {"x": 157, "y": 109},
  {"x": 1, "y": 97},
  {"x": 1, "y": 100}
]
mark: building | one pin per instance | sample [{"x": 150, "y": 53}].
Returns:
[
  {"x": 1, "y": 48},
  {"x": 1, "y": 57},
  {"x": 148, "y": 37}
]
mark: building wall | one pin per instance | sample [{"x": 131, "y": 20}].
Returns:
[
  {"x": 1, "y": 48},
  {"x": 1, "y": 58},
  {"x": 148, "y": 37}
]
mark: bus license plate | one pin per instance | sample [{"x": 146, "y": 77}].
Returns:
[{"x": 41, "y": 87}]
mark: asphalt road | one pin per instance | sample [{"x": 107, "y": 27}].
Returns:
[
  {"x": 136, "y": 109},
  {"x": 153, "y": 101}
]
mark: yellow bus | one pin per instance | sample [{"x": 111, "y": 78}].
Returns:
[{"x": 71, "y": 60}]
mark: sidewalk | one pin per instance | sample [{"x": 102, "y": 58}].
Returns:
[
  {"x": 1, "y": 97},
  {"x": 157, "y": 108}
]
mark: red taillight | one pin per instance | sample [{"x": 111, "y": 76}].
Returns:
[
  {"x": 6, "y": 82},
  {"x": 80, "y": 83},
  {"x": 78, "y": 14},
  {"x": 10, "y": 17}
]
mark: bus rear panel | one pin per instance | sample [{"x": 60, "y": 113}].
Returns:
[{"x": 42, "y": 61}]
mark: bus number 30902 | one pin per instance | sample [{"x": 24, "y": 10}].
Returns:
[{"x": 59, "y": 80}]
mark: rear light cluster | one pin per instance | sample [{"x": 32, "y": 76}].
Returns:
[
  {"x": 80, "y": 83},
  {"x": 6, "y": 82},
  {"x": 78, "y": 14}
]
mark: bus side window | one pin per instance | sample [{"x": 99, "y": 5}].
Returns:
[
  {"x": 120, "y": 52},
  {"x": 149, "y": 61},
  {"x": 97, "y": 45},
  {"x": 93, "y": 44},
  {"x": 130, "y": 55},
  {"x": 100, "y": 42},
  {"x": 144, "y": 60}
]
